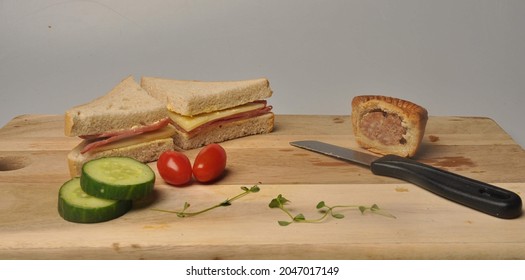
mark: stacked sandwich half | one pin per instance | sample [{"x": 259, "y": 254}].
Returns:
[
  {"x": 127, "y": 121},
  {"x": 212, "y": 112}
]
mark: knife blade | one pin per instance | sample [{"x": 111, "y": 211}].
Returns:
[{"x": 477, "y": 195}]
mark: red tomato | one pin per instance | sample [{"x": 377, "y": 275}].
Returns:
[
  {"x": 174, "y": 168},
  {"x": 209, "y": 163}
]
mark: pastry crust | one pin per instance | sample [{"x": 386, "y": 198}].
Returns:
[{"x": 388, "y": 125}]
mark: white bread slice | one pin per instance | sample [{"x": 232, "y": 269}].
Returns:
[
  {"x": 126, "y": 105},
  {"x": 144, "y": 152},
  {"x": 388, "y": 125},
  {"x": 227, "y": 131},
  {"x": 191, "y": 98}
]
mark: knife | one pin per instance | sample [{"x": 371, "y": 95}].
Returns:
[{"x": 477, "y": 195}]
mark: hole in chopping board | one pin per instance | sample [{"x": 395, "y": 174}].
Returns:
[{"x": 9, "y": 163}]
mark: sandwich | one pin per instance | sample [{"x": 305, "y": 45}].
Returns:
[
  {"x": 127, "y": 121},
  {"x": 211, "y": 112},
  {"x": 388, "y": 125}
]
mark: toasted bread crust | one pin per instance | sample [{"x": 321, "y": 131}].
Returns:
[
  {"x": 413, "y": 119},
  {"x": 227, "y": 131}
]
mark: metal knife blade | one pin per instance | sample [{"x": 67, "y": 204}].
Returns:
[
  {"x": 336, "y": 151},
  {"x": 477, "y": 195}
]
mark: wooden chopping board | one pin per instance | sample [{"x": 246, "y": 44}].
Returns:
[{"x": 33, "y": 167}]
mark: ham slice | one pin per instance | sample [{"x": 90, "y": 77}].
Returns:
[
  {"x": 231, "y": 118},
  {"x": 109, "y": 137}
]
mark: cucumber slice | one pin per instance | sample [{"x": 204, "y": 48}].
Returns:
[
  {"x": 119, "y": 178},
  {"x": 75, "y": 205}
]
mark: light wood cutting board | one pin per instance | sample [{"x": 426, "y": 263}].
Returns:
[{"x": 33, "y": 167}]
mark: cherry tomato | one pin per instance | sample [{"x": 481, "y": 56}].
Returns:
[
  {"x": 209, "y": 163},
  {"x": 175, "y": 168}
]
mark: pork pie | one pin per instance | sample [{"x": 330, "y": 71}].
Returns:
[{"x": 388, "y": 125}]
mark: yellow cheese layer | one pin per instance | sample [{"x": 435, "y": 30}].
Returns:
[
  {"x": 165, "y": 132},
  {"x": 189, "y": 123}
]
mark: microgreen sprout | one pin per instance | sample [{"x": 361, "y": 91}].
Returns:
[
  {"x": 183, "y": 213},
  {"x": 280, "y": 202}
]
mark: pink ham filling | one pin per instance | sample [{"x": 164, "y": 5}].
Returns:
[
  {"x": 232, "y": 118},
  {"x": 110, "y": 137}
]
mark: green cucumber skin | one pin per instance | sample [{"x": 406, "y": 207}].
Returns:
[
  {"x": 79, "y": 214},
  {"x": 100, "y": 189},
  {"x": 108, "y": 191}
]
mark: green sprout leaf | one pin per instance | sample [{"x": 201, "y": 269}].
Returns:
[
  {"x": 275, "y": 203},
  {"x": 284, "y": 223},
  {"x": 338, "y": 215},
  {"x": 282, "y": 200},
  {"x": 299, "y": 218}
]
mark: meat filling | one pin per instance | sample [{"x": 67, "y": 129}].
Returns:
[{"x": 383, "y": 127}]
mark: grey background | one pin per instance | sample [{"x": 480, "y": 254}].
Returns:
[{"x": 454, "y": 57}]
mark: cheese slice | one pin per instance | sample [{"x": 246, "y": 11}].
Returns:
[
  {"x": 165, "y": 132},
  {"x": 189, "y": 123}
]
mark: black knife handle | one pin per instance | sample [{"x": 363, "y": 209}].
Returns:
[{"x": 477, "y": 195}]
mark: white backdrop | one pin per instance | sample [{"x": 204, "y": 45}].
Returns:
[{"x": 454, "y": 57}]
